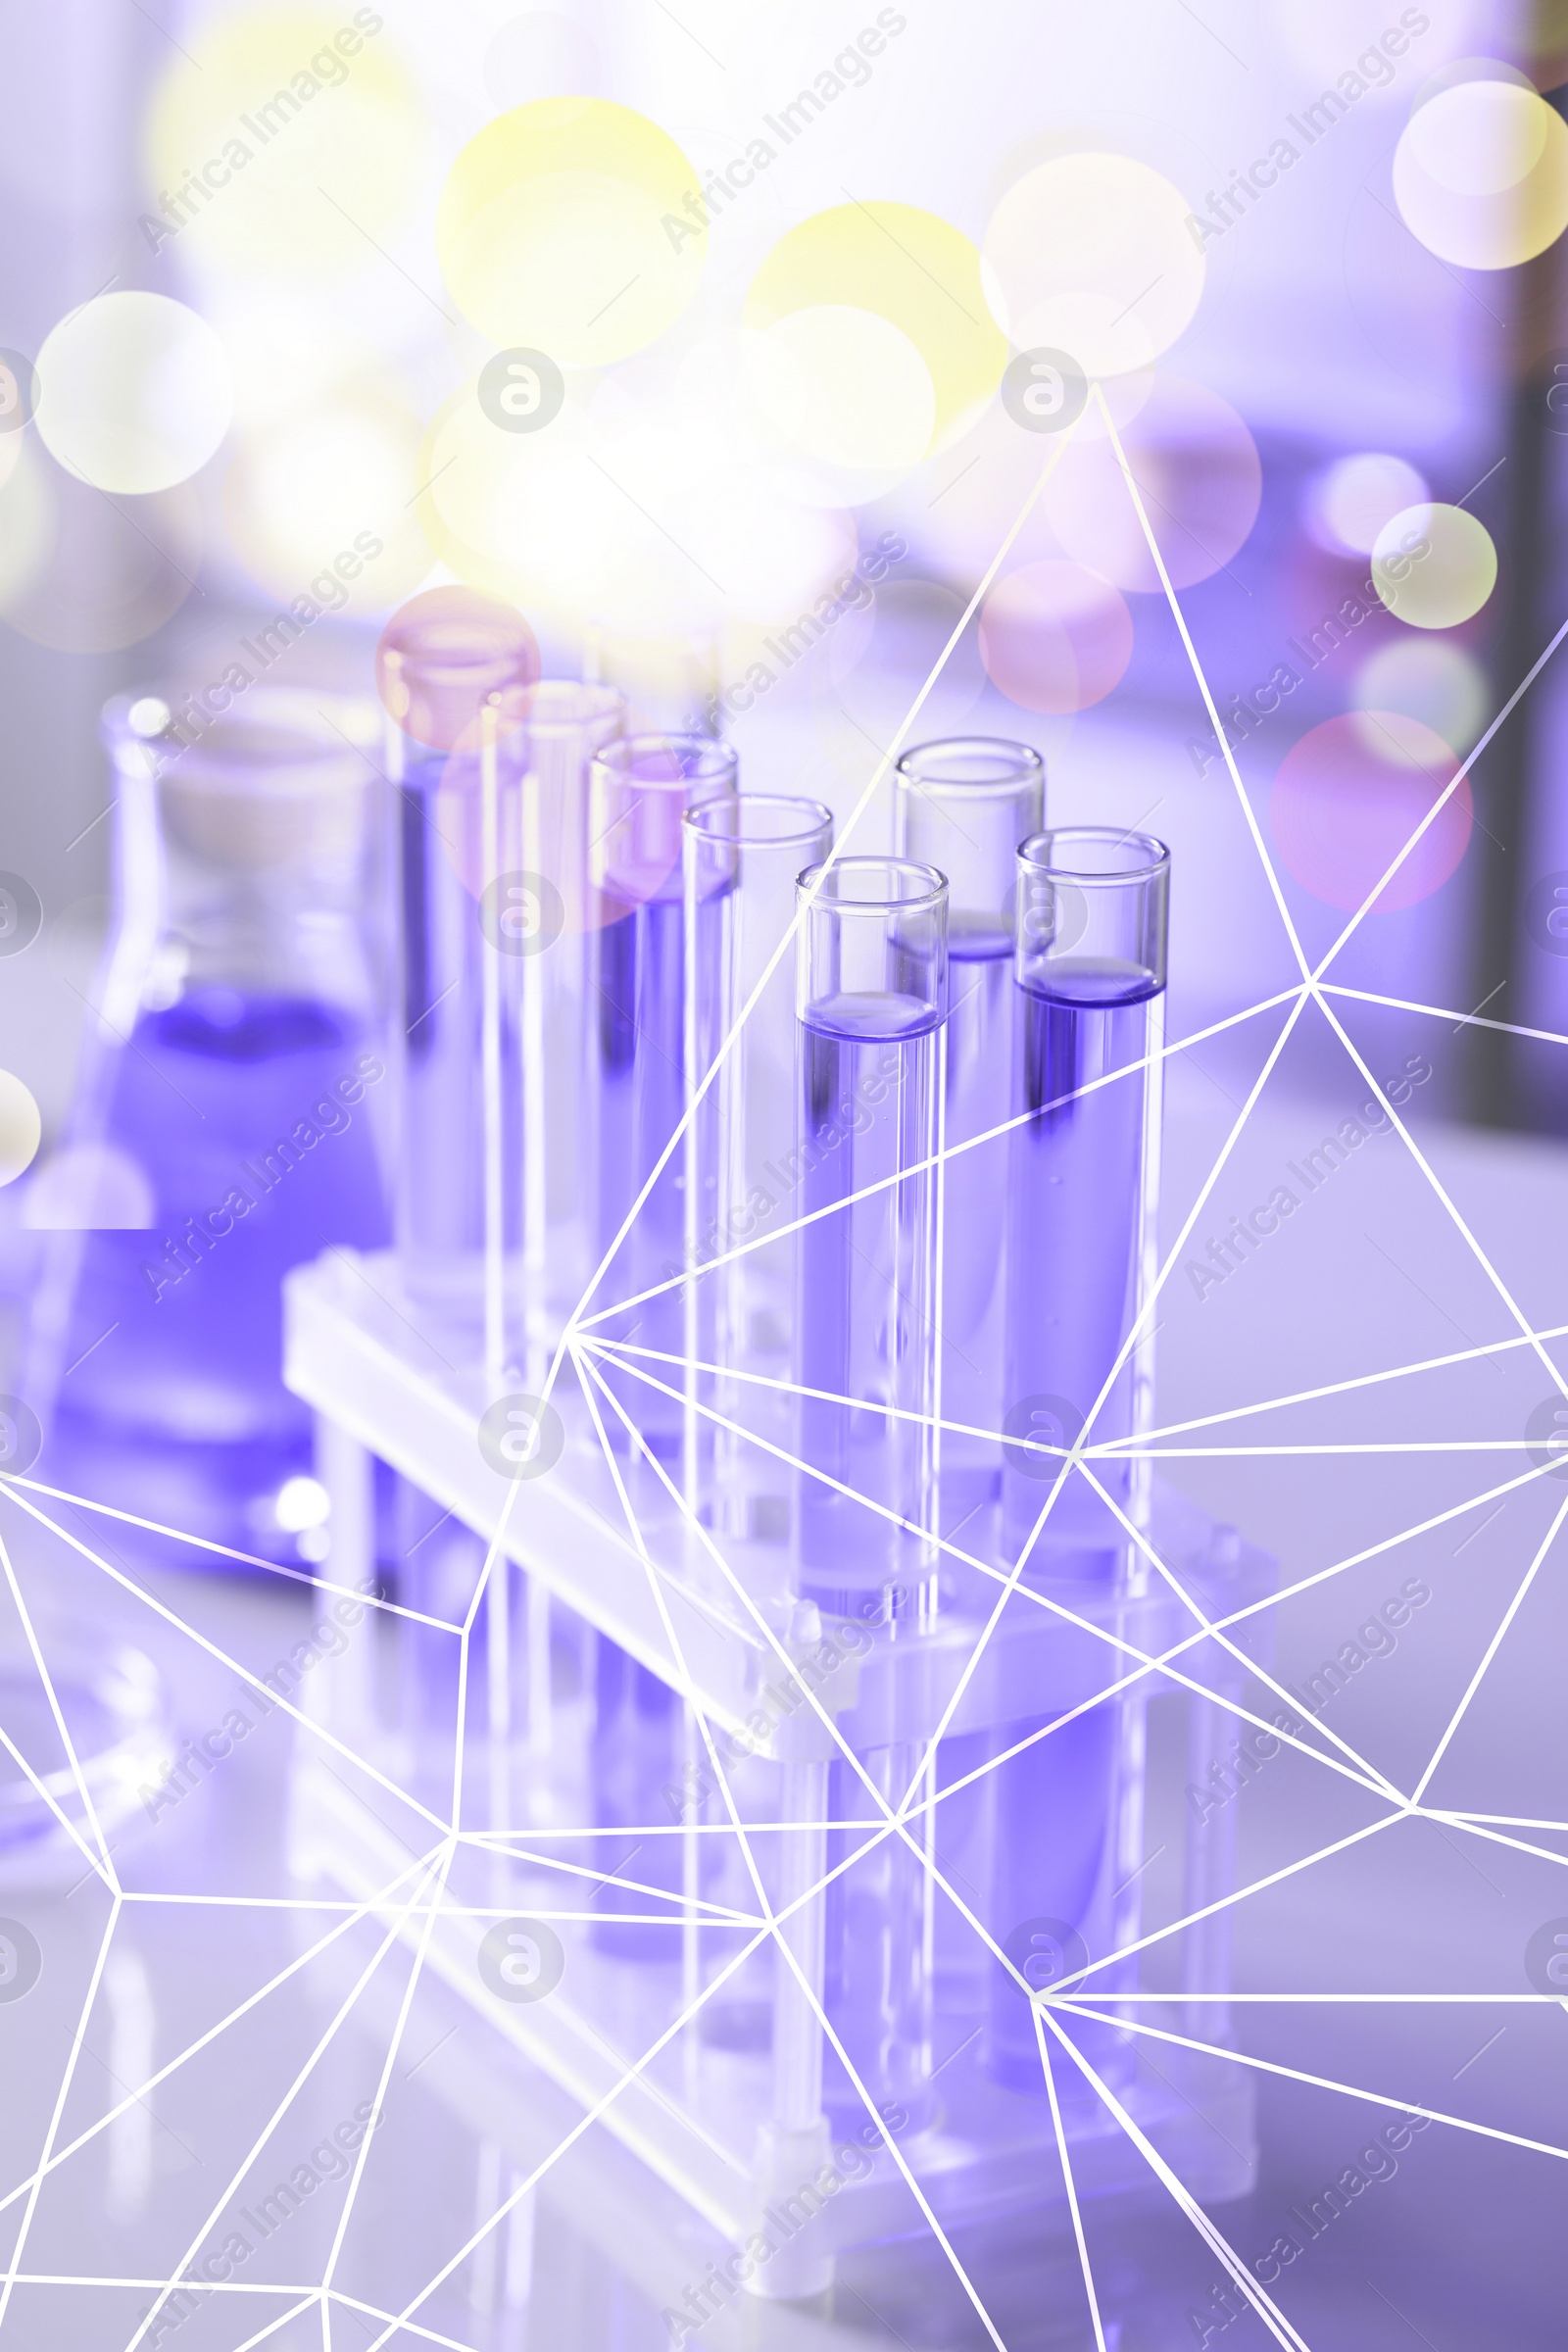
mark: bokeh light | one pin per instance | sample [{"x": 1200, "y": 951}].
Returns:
[
  {"x": 1351, "y": 793},
  {"x": 908, "y": 267},
  {"x": 1092, "y": 255},
  {"x": 571, "y": 226},
  {"x": 1055, "y": 637},
  {"x": 1481, "y": 174},
  {"x": 286, "y": 140},
  {"x": 1199, "y": 476},
  {"x": 134, "y": 392},
  {"x": 1428, "y": 679},
  {"x": 1346, "y": 504},
  {"x": 879, "y": 664},
  {"x": 21, "y": 1127},
  {"x": 335, "y": 486},
  {"x": 443, "y": 654},
  {"x": 646, "y": 511},
  {"x": 846, "y": 398},
  {"x": 1434, "y": 566},
  {"x": 90, "y": 1188},
  {"x": 78, "y": 574}
]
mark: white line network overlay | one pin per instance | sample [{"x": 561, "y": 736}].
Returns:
[{"x": 418, "y": 1896}]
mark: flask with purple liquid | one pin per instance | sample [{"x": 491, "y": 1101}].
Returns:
[{"x": 226, "y": 1117}]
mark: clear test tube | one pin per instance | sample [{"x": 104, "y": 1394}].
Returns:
[
  {"x": 963, "y": 805},
  {"x": 1089, "y": 968},
  {"x": 872, "y": 999},
  {"x": 542, "y": 913},
  {"x": 872, "y": 994},
  {"x": 459, "y": 1210},
  {"x": 742, "y": 859},
  {"x": 640, "y": 788}
]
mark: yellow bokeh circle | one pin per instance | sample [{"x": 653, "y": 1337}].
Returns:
[
  {"x": 134, "y": 393},
  {"x": 285, "y": 139},
  {"x": 571, "y": 226},
  {"x": 1094, "y": 255},
  {"x": 843, "y": 398},
  {"x": 1481, "y": 174},
  {"x": 903, "y": 265},
  {"x": 1440, "y": 685},
  {"x": 1434, "y": 566}
]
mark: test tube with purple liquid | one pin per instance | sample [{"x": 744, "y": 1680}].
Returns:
[
  {"x": 963, "y": 805},
  {"x": 872, "y": 1002},
  {"x": 1090, "y": 972}
]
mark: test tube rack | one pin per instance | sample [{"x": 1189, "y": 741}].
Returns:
[{"x": 381, "y": 1387}]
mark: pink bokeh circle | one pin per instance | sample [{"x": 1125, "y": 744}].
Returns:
[
  {"x": 443, "y": 654},
  {"x": 1351, "y": 793},
  {"x": 1199, "y": 478},
  {"x": 1055, "y": 637}
]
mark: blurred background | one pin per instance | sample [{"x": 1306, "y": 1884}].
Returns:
[{"x": 280, "y": 354}]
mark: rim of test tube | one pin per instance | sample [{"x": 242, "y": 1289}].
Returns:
[
  {"x": 694, "y": 758},
  {"x": 555, "y": 705},
  {"x": 1138, "y": 855},
  {"x": 729, "y": 819},
  {"x": 1016, "y": 764},
  {"x": 916, "y": 888}
]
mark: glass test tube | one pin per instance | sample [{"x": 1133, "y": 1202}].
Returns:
[
  {"x": 1089, "y": 968},
  {"x": 872, "y": 999},
  {"x": 1091, "y": 958},
  {"x": 461, "y": 1181},
  {"x": 743, "y": 857},
  {"x": 964, "y": 805},
  {"x": 547, "y": 737},
  {"x": 641, "y": 789}
]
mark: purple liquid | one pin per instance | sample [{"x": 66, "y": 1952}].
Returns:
[
  {"x": 1074, "y": 1237},
  {"x": 1074, "y": 1233},
  {"x": 171, "y": 1400},
  {"x": 979, "y": 1100},
  {"x": 641, "y": 982},
  {"x": 866, "y": 1072}
]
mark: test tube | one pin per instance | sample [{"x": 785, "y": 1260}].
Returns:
[
  {"x": 963, "y": 805},
  {"x": 548, "y": 736},
  {"x": 1090, "y": 968},
  {"x": 742, "y": 859},
  {"x": 459, "y": 1218},
  {"x": 641, "y": 789},
  {"x": 638, "y": 1043},
  {"x": 872, "y": 999},
  {"x": 872, "y": 970}
]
